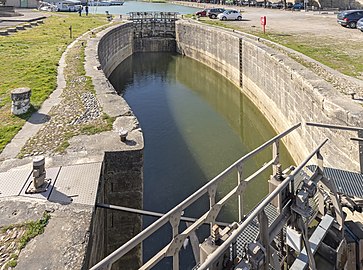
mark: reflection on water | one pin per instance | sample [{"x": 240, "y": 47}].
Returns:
[{"x": 195, "y": 123}]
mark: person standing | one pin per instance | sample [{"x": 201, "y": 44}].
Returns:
[
  {"x": 80, "y": 10},
  {"x": 86, "y": 9}
]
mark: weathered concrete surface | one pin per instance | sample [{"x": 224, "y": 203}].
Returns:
[
  {"x": 63, "y": 244},
  {"x": 115, "y": 45},
  {"x": 283, "y": 90},
  {"x": 154, "y": 45},
  {"x": 123, "y": 161}
]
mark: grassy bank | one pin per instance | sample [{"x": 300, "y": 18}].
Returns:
[
  {"x": 30, "y": 59},
  {"x": 344, "y": 57}
]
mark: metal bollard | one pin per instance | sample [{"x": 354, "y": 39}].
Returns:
[{"x": 123, "y": 134}]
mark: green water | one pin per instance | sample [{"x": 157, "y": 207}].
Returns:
[{"x": 195, "y": 124}]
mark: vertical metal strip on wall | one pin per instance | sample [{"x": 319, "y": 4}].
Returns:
[{"x": 240, "y": 63}]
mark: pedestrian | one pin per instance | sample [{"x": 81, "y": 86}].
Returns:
[
  {"x": 86, "y": 9},
  {"x": 80, "y": 10}
]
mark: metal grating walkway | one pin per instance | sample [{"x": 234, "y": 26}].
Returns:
[
  {"x": 348, "y": 183},
  {"x": 251, "y": 232}
]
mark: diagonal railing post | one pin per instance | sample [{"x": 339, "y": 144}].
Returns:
[
  {"x": 264, "y": 237},
  {"x": 275, "y": 156},
  {"x": 212, "y": 201},
  {"x": 174, "y": 221},
  {"x": 360, "y": 150},
  {"x": 241, "y": 195}
]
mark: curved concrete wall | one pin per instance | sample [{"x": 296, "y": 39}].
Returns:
[
  {"x": 115, "y": 46},
  {"x": 122, "y": 178},
  {"x": 282, "y": 89}
]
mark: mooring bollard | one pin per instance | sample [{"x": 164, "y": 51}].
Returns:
[
  {"x": 123, "y": 134},
  {"x": 20, "y": 100},
  {"x": 38, "y": 171}
]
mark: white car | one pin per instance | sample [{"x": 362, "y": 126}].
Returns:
[{"x": 230, "y": 14}]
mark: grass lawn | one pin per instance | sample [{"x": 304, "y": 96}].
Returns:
[
  {"x": 345, "y": 57},
  {"x": 30, "y": 58}
]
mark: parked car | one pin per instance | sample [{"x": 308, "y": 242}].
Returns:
[
  {"x": 298, "y": 6},
  {"x": 202, "y": 13},
  {"x": 349, "y": 18},
  {"x": 289, "y": 5},
  {"x": 230, "y": 14},
  {"x": 277, "y": 5},
  {"x": 213, "y": 12},
  {"x": 360, "y": 24}
]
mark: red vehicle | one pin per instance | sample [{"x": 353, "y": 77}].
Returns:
[{"x": 202, "y": 13}]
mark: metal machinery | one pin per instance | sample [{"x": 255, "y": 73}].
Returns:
[
  {"x": 153, "y": 24},
  {"x": 300, "y": 217}
]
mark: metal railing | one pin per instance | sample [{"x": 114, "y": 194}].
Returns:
[
  {"x": 260, "y": 209},
  {"x": 174, "y": 215},
  {"x": 359, "y": 138}
]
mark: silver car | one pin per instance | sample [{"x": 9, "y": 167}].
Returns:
[{"x": 360, "y": 25}]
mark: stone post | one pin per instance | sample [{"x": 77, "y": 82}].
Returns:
[
  {"x": 20, "y": 100},
  {"x": 38, "y": 171}
]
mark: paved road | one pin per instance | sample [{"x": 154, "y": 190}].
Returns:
[
  {"x": 297, "y": 22},
  {"x": 292, "y": 22}
]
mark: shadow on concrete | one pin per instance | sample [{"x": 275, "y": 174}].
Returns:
[
  {"x": 59, "y": 197},
  {"x": 130, "y": 143},
  {"x": 39, "y": 118}
]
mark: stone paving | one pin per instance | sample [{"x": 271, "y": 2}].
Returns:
[
  {"x": 9, "y": 245},
  {"x": 77, "y": 113}
]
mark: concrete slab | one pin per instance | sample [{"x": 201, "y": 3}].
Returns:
[
  {"x": 12, "y": 182},
  {"x": 77, "y": 184}
]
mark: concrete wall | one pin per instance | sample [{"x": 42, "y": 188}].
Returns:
[
  {"x": 123, "y": 187},
  {"x": 119, "y": 43},
  {"x": 122, "y": 181},
  {"x": 115, "y": 46},
  {"x": 283, "y": 90},
  {"x": 154, "y": 45},
  {"x": 206, "y": 45}
]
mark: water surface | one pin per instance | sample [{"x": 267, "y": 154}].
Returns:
[
  {"x": 131, "y": 6},
  {"x": 195, "y": 124}
]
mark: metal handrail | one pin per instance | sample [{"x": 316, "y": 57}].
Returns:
[
  {"x": 349, "y": 128},
  {"x": 232, "y": 238},
  {"x": 359, "y": 131},
  {"x": 139, "y": 238}
]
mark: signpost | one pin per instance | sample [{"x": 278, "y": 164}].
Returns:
[{"x": 263, "y": 23}]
